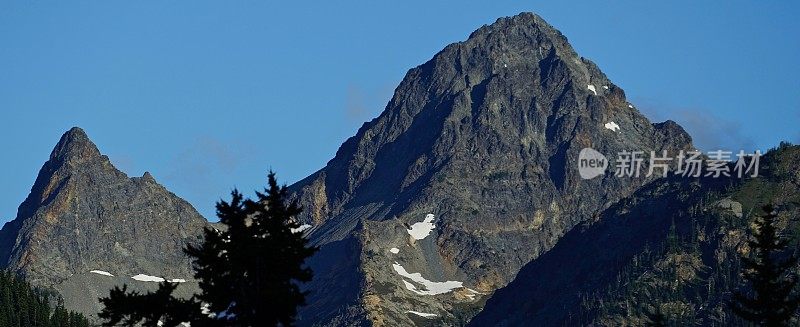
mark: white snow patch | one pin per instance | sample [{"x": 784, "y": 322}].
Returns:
[
  {"x": 429, "y": 287},
  {"x": 301, "y": 229},
  {"x": 473, "y": 293},
  {"x": 412, "y": 288},
  {"x": 204, "y": 309},
  {"x": 612, "y": 126},
  {"x": 177, "y": 280},
  {"x": 422, "y": 229},
  {"x": 605, "y": 87},
  {"x": 630, "y": 106},
  {"x": 147, "y": 278},
  {"x": 422, "y": 314},
  {"x": 104, "y": 273},
  {"x": 394, "y": 250},
  {"x": 591, "y": 88}
]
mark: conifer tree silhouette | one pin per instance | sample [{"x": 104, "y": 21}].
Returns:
[
  {"x": 249, "y": 271},
  {"x": 769, "y": 298}
]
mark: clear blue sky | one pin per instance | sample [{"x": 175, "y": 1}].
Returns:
[{"x": 208, "y": 95}]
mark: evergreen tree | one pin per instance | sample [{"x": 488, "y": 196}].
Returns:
[
  {"x": 129, "y": 309},
  {"x": 249, "y": 272},
  {"x": 771, "y": 300},
  {"x": 673, "y": 241},
  {"x": 23, "y": 305}
]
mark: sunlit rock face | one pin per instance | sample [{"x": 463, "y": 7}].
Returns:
[
  {"x": 87, "y": 226},
  {"x": 484, "y": 137}
]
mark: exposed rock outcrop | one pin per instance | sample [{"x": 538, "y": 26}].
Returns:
[
  {"x": 83, "y": 214},
  {"x": 484, "y": 136}
]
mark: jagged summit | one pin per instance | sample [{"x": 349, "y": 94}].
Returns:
[
  {"x": 526, "y": 24},
  {"x": 84, "y": 215},
  {"x": 74, "y": 144},
  {"x": 525, "y": 18},
  {"x": 512, "y": 40},
  {"x": 73, "y": 153}
]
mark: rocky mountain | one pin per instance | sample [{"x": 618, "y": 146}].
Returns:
[
  {"x": 86, "y": 227},
  {"x": 460, "y": 204},
  {"x": 469, "y": 174},
  {"x": 672, "y": 247}
]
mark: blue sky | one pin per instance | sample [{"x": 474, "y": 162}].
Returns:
[{"x": 209, "y": 95}]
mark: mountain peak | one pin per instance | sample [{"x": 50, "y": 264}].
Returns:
[
  {"x": 522, "y": 19},
  {"x": 523, "y": 26},
  {"x": 485, "y": 136},
  {"x": 74, "y": 144},
  {"x": 80, "y": 203}
]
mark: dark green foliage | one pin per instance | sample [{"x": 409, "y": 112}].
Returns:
[
  {"x": 656, "y": 289},
  {"x": 249, "y": 272},
  {"x": 128, "y": 309},
  {"x": 690, "y": 276},
  {"x": 23, "y": 306},
  {"x": 251, "y": 276},
  {"x": 769, "y": 299}
]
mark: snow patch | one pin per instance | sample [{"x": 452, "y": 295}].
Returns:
[
  {"x": 177, "y": 280},
  {"x": 429, "y": 287},
  {"x": 394, "y": 250},
  {"x": 422, "y": 229},
  {"x": 591, "y": 88},
  {"x": 147, "y": 278},
  {"x": 605, "y": 87},
  {"x": 100, "y": 272},
  {"x": 300, "y": 229},
  {"x": 472, "y": 293},
  {"x": 630, "y": 106},
  {"x": 422, "y": 314},
  {"x": 412, "y": 288},
  {"x": 612, "y": 126}
]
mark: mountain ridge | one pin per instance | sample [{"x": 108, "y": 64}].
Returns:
[
  {"x": 485, "y": 136},
  {"x": 674, "y": 247},
  {"x": 467, "y": 176},
  {"x": 84, "y": 215}
]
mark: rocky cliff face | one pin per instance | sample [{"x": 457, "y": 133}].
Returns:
[
  {"x": 84, "y": 215},
  {"x": 671, "y": 247},
  {"x": 484, "y": 137}
]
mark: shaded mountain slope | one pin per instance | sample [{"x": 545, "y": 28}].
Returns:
[{"x": 673, "y": 246}]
